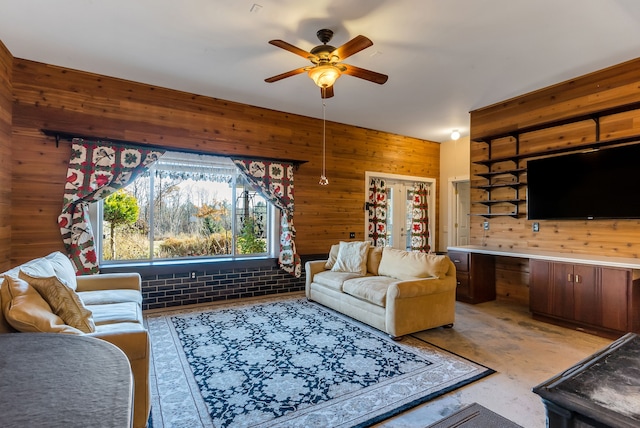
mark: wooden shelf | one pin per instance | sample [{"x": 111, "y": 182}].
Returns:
[
  {"x": 491, "y": 174},
  {"x": 500, "y": 201},
  {"x": 513, "y": 185},
  {"x": 490, "y": 215}
]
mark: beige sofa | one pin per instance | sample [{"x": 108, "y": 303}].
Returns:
[
  {"x": 44, "y": 295},
  {"x": 398, "y": 292}
]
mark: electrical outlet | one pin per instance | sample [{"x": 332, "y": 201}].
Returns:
[
  {"x": 352, "y": 235},
  {"x": 486, "y": 225},
  {"x": 535, "y": 227},
  {"x": 193, "y": 275}
]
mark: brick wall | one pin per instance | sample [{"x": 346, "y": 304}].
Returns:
[
  {"x": 176, "y": 289},
  {"x": 166, "y": 286}
]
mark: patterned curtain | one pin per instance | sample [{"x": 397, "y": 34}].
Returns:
[
  {"x": 377, "y": 208},
  {"x": 275, "y": 182},
  {"x": 96, "y": 170},
  {"x": 420, "y": 218}
]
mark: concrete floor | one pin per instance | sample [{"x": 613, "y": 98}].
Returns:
[{"x": 522, "y": 351}]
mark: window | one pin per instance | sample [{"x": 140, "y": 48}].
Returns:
[{"x": 186, "y": 206}]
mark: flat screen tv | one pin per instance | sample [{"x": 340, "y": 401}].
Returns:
[{"x": 599, "y": 184}]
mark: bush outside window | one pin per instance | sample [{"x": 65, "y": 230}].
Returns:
[{"x": 185, "y": 206}]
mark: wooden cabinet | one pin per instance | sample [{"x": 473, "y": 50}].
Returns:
[
  {"x": 475, "y": 274},
  {"x": 587, "y": 296}
]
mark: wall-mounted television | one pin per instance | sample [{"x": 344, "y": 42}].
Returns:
[{"x": 597, "y": 184}]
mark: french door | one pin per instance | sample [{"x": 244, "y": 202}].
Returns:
[
  {"x": 399, "y": 215},
  {"x": 399, "y": 208}
]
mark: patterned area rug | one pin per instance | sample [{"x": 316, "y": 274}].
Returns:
[{"x": 289, "y": 362}]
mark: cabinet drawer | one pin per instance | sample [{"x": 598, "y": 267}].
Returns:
[{"x": 461, "y": 260}]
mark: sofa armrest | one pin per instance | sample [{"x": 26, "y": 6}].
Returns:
[
  {"x": 110, "y": 281},
  {"x": 421, "y": 287},
  {"x": 313, "y": 267},
  {"x": 131, "y": 338}
]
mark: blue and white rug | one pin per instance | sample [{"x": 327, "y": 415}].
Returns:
[{"x": 289, "y": 363}]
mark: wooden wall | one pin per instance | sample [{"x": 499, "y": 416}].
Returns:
[
  {"x": 47, "y": 96},
  {"x": 606, "y": 89},
  {"x": 6, "y": 97}
]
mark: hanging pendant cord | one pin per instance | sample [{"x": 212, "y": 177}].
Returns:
[{"x": 323, "y": 178}]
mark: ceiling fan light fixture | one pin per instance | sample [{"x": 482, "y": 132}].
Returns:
[{"x": 324, "y": 75}]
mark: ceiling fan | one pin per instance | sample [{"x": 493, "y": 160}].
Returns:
[{"x": 326, "y": 59}]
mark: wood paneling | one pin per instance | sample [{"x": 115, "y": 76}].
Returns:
[
  {"x": 6, "y": 100},
  {"x": 607, "y": 89},
  {"x": 88, "y": 104},
  {"x": 604, "y": 89}
]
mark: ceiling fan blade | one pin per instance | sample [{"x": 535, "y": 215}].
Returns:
[
  {"x": 353, "y": 46},
  {"x": 326, "y": 92},
  {"x": 362, "y": 73},
  {"x": 284, "y": 75},
  {"x": 289, "y": 47}
]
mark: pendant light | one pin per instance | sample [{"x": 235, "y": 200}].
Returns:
[{"x": 324, "y": 181}]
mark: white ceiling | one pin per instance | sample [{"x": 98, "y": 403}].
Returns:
[{"x": 444, "y": 58}]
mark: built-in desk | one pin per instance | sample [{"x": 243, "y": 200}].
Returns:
[
  {"x": 585, "y": 259},
  {"x": 593, "y": 293}
]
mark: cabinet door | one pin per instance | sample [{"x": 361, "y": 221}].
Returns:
[
  {"x": 562, "y": 290},
  {"x": 540, "y": 286},
  {"x": 614, "y": 286},
  {"x": 587, "y": 307}
]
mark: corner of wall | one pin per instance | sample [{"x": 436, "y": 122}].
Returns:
[
  {"x": 454, "y": 162},
  {"x": 6, "y": 119}
]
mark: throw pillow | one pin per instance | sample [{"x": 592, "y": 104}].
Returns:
[
  {"x": 26, "y": 311},
  {"x": 333, "y": 255},
  {"x": 64, "y": 301},
  {"x": 408, "y": 265},
  {"x": 352, "y": 257}
]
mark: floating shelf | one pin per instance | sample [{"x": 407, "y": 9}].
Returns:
[{"x": 500, "y": 201}]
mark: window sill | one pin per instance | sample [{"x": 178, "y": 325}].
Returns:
[{"x": 187, "y": 266}]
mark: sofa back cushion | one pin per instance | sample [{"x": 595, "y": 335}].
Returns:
[
  {"x": 407, "y": 265},
  {"x": 373, "y": 260},
  {"x": 63, "y": 269}
]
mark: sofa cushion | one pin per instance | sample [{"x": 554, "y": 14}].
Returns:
[
  {"x": 26, "y": 311},
  {"x": 103, "y": 297},
  {"x": 63, "y": 269},
  {"x": 372, "y": 289},
  {"x": 373, "y": 260},
  {"x": 63, "y": 300},
  {"x": 352, "y": 257},
  {"x": 114, "y": 313},
  {"x": 408, "y": 265},
  {"x": 333, "y": 279}
]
